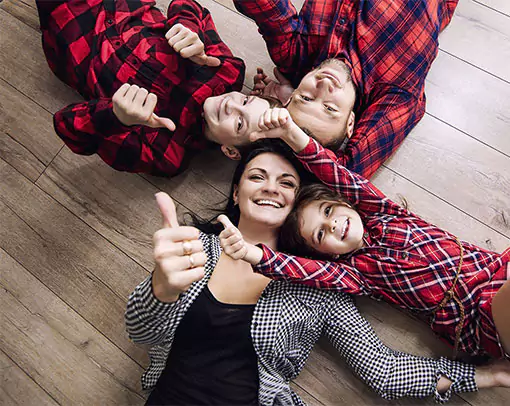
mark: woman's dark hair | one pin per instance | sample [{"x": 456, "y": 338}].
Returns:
[
  {"x": 290, "y": 239},
  {"x": 231, "y": 210}
]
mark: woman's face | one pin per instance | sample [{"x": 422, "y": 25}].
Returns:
[
  {"x": 331, "y": 228},
  {"x": 267, "y": 190},
  {"x": 230, "y": 118}
]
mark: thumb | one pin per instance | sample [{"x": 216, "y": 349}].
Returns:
[
  {"x": 161, "y": 122},
  {"x": 212, "y": 61},
  {"x": 167, "y": 208},
  {"x": 225, "y": 221},
  {"x": 258, "y": 135},
  {"x": 280, "y": 78}
]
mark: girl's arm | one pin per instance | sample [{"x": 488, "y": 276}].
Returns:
[{"x": 393, "y": 374}]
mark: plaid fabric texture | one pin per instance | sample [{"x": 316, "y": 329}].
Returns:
[
  {"x": 287, "y": 322},
  {"x": 96, "y": 46},
  {"x": 407, "y": 262},
  {"x": 389, "y": 46}
]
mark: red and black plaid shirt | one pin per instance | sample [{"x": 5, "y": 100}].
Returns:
[
  {"x": 389, "y": 46},
  {"x": 407, "y": 261},
  {"x": 96, "y": 46}
]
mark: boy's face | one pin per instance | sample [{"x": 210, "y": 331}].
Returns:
[
  {"x": 331, "y": 228},
  {"x": 323, "y": 103}
]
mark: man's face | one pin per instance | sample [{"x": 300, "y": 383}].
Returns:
[
  {"x": 323, "y": 103},
  {"x": 230, "y": 118}
]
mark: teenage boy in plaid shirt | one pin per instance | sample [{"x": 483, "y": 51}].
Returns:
[
  {"x": 369, "y": 60},
  {"x": 141, "y": 73}
]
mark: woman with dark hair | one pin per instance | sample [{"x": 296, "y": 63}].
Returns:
[{"x": 221, "y": 334}]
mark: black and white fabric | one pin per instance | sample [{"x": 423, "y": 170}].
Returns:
[{"x": 288, "y": 320}]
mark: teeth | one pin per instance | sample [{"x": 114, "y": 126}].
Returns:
[
  {"x": 268, "y": 203},
  {"x": 344, "y": 228}
]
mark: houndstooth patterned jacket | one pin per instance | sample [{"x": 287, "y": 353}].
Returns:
[{"x": 288, "y": 320}]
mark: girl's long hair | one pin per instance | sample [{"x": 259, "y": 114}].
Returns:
[{"x": 231, "y": 210}]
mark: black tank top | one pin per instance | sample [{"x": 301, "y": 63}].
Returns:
[{"x": 212, "y": 360}]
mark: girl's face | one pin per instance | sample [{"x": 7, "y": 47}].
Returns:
[
  {"x": 267, "y": 190},
  {"x": 331, "y": 228}
]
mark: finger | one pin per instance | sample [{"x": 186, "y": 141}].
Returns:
[
  {"x": 176, "y": 235},
  {"x": 131, "y": 93},
  {"x": 165, "y": 248},
  {"x": 186, "y": 278},
  {"x": 190, "y": 41},
  {"x": 161, "y": 122},
  {"x": 225, "y": 221},
  {"x": 262, "y": 122},
  {"x": 212, "y": 61},
  {"x": 178, "y": 37},
  {"x": 274, "y": 118},
  {"x": 267, "y": 119},
  {"x": 184, "y": 262},
  {"x": 196, "y": 49},
  {"x": 255, "y": 92},
  {"x": 174, "y": 30},
  {"x": 150, "y": 104},
  {"x": 283, "y": 117},
  {"x": 140, "y": 97},
  {"x": 257, "y": 135},
  {"x": 121, "y": 92},
  {"x": 237, "y": 246},
  {"x": 167, "y": 208},
  {"x": 234, "y": 239}
]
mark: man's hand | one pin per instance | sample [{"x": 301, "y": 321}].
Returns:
[
  {"x": 179, "y": 254},
  {"x": 277, "y": 123},
  {"x": 134, "y": 105},
  {"x": 497, "y": 373},
  {"x": 263, "y": 86},
  {"x": 188, "y": 45},
  {"x": 233, "y": 244}
]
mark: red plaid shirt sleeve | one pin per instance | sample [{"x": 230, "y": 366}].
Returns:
[
  {"x": 381, "y": 129},
  {"x": 310, "y": 272}
]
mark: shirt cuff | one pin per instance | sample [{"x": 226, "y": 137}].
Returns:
[
  {"x": 151, "y": 302},
  {"x": 462, "y": 377},
  {"x": 310, "y": 150},
  {"x": 264, "y": 266}
]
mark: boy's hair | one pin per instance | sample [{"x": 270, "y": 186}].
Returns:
[{"x": 290, "y": 239}]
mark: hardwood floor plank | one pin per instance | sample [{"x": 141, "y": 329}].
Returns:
[
  {"x": 120, "y": 206},
  {"x": 22, "y": 11},
  {"x": 78, "y": 265},
  {"x": 16, "y": 387},
  {"x": 55, "y": 313},
  {"x": 439, "y": 212},
  {"x": 29, "y": 125},
  {"x": 28, "y": 71},
  {"x": 63, "y": 370},
  {"x": 503, "y": 6},
  {"x": 460, "y": 170},
  {"x": 480, "y": 36},
  {"x": 20, "y": 157}
]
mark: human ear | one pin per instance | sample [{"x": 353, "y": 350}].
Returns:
[
  {"x": 231, "y": 152},
  {"x": 350, "y": 124},
  {"x": 235, "y": 195}
]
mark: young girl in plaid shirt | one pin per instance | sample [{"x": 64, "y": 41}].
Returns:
[{"x": 376, "y": 247}]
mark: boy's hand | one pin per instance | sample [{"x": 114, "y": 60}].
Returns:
[
  {"x": 178, "y": 253},
  {"x": 263, "y": 86},
  {"x": 233, "y": 244},
  {"x": 188, "y": 45},
  {"x": 134, "y": 105}
]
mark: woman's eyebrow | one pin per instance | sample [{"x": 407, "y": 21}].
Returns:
[{"x": 285, "y": 175}]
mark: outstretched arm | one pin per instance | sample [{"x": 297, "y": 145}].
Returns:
[{"x": 390, "y": 373}]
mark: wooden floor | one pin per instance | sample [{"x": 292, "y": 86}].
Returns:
[{"x": 75, "y": 235}]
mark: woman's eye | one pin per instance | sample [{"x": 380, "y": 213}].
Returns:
[
  {"x": 239, "y": 123},
  {"x": 289, "y": 184},
  {"x": 327, "y": 211},
  {"x": 256, "y": 177},
  {"x": 306, "y": 98},
  {"x": 329, "y": 108},
  {"x": 245, "y": 101}
]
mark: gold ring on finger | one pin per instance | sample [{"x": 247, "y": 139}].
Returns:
[
  {"x": 187, "y": 248},
  {"x": 191, "y": 261}
]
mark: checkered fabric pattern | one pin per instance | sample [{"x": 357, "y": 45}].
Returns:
[
  {"x": 96, "y": 46},
  {"x": 407, "y": 261},
  {"x": 287, "y": 322},
  {"x": 389, "y": 46}
]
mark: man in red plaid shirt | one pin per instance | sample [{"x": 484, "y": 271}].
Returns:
[
  {"x": 369, "y": 60},
  {"x": 140, "y": 73}
]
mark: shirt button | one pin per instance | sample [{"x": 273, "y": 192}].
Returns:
[
  {"x": 117, "y": 43},
  {"x": 405, "y": 255},
  {"x": 342, "y": 21},
  {"x": 110, "y": 21},
  {"x": 365, "y": 234}
]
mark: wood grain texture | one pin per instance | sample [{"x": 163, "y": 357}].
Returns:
[
  {"x": 27, "y": 71},
  {"x": 58, "y": 316},
  {"x": 81, "y": 267},
  {"x": 17, "y": 388},
  {"x": 23, "y": 11},
  {"x": 503, "y": 6}
]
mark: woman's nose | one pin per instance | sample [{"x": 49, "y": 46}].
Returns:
[
  {"x": 332, "y": 225},
  {"x": 271, "y": 187},
  {"x": 325, "y": 84},
  {"x": 231, "y": 106}
]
